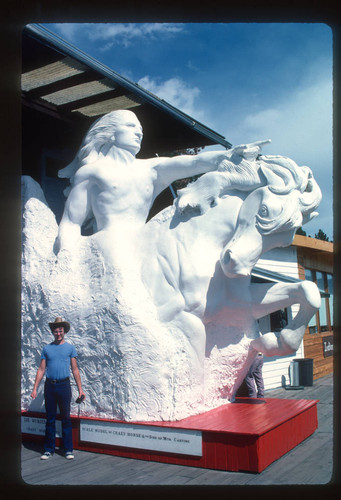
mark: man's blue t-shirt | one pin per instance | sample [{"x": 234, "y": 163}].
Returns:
[{"x": 58, "y": 359}]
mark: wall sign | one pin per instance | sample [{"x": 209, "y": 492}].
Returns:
[
  {"x": 33, "y": 425},
  {"x": 328, "y": 345},
  {"x": 182, "y": 441}
]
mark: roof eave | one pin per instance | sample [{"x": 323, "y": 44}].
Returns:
[{"x": 55, "y": 42}]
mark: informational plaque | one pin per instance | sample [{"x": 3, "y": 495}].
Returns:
[
  {"x": 34, "y": 425},
  {"x": 152, "y": 438}
]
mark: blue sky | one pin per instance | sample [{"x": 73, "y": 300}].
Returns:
[{"x": 246, "y": 81}]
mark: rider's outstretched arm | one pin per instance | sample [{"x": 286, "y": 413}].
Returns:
[{"x": 170, "y": 169}]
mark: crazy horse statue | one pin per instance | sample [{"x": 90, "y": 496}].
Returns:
[{"x": 163, "y": 314}]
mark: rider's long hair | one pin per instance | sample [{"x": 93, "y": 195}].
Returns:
[{"x": 98, "y": 137}]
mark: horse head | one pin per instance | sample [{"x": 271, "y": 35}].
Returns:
[{"x": 270, "y": 215}]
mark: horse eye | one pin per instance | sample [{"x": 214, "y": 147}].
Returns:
[{"x": 263, "y": 211}]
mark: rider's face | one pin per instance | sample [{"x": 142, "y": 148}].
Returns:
[{"x": 128, "y": 134}]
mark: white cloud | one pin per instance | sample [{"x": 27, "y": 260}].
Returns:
[
  {"x": 176, "y": 92},
  {"x": 126, "y": 34},
  {"x": 69, "y": 31},
  {"x": 114, "y": 33},
  {"x": 300, "y": 127},
  {"x": 299, "y": 124}
]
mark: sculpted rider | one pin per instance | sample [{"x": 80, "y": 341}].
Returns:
[
  {"x": 173, "y": 323},
  {"x": 118, "y": 189}
]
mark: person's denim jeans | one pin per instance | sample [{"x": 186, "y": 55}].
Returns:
[
  {"x": 255, "y": 375},
  {"x": 58, "y": 394}
]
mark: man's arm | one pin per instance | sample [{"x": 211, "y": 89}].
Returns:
[
  {"x": 39, "y": 376},
  {"x": 77, "y": 377}
]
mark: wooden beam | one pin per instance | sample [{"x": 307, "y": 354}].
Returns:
[
  {"x": 313, "y": 243},
  {"x": 46, "y": 108}
]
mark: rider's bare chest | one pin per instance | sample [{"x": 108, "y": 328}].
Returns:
[{"x": 122, "y": 181}]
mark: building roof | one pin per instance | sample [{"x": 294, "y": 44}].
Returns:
[{"x": 60, "y": 79}]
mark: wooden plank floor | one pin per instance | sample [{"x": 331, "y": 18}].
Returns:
[{"x": 311, "y": 462}]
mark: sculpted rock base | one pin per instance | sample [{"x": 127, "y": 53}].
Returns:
[
  {"x": 164, "y": 314},
  {"x": 132, "y": 366}
]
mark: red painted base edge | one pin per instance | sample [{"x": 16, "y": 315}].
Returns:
[{"x": 235, "y": 437}]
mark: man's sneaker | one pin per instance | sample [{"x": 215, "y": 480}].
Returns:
[
  {"x": 69, "y": 455},
  {"x": 46, "y": 455}
]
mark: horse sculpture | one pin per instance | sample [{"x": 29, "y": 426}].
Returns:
[
  {"x": 201, "y": 266},
  {"x": 178, "y": 334}
]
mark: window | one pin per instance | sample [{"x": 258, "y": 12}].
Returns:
[
  {"x": 331, "y": 299},
  {"x": 322, "y": 321},
  {"x": 278, "y": 320}
]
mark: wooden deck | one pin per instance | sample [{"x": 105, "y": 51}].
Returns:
[{"x": 311, "y": 462}]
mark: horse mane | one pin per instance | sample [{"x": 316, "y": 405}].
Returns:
[
  {"x": 279, "y": 173},
  {"x": 242, "y": 173},
  {"x": 283, "y": 176}
]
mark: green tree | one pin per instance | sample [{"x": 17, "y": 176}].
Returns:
[
  {"x": 321, "y": 235},
  {"x": 301, "y": 232}
]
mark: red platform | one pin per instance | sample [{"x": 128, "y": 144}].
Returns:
[{"x": 247, "y": 435}]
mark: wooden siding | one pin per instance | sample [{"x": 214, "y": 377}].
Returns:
[
  {"x": 276, "y": 369},
  {"x": 280, "y": 260},
  {"x": 313, "y": 348},
  {"x": 317, "y": 255}
]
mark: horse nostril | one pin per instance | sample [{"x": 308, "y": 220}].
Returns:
[{"x": 227, "y": 256}]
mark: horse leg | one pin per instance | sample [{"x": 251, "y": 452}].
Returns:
[{"x": 267, "y": 298}]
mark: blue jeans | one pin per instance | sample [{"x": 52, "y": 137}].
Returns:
[
  {"x": 58, "y": 394},
  {"x": 255, "y": 375}
]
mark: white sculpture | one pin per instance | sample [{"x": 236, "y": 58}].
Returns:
[
  {"x": 119, "y": 190},
  {"x": 166, "y": 313}
]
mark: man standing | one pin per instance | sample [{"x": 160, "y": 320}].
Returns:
[
  {"x": 255, "y": 375},
  {"x": 57, "y": 358}
]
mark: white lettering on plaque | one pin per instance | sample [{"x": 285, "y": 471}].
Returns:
[
  {"x": 181, "y": 441},
  {"x": 34, "y": 425}
]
